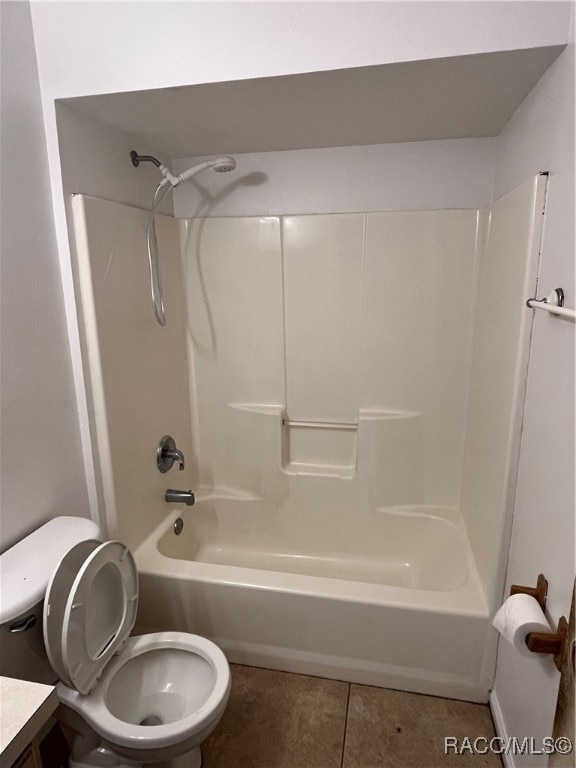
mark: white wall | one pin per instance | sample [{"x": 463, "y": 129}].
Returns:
[
  {"x": 419, "y": 175},
  {"x": 42, "y": 467},
  {"x": 131, "y": 46},
  {"x": 540, "y": 136}
]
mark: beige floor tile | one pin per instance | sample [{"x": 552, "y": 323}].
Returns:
[
  {"x": 393, "y": 729},
  {"x": 279, "y": 720}
]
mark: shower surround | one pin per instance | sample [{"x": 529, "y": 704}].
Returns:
[
  {"x": 352, "y": 334},
  {"x": 347, "y": 390}
]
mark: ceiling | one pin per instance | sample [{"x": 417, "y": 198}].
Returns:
[{"x": 456, "y": 97}]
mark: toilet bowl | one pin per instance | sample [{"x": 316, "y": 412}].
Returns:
[
  {"x": 132, "y": 701},
  {"x": 158, "y": 699}
]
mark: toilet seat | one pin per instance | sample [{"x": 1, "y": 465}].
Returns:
[{"x": 86, "y": 623}]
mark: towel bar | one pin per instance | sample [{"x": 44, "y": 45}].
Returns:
[{"x": 553, "y": 303}]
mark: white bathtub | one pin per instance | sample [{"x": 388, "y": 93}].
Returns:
[{"x": 395, "y": 604}]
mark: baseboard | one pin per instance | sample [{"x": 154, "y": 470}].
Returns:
[{"x": 498, "y": 717}]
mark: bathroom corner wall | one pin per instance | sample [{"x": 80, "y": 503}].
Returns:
[{"x": 138, "y": 370}]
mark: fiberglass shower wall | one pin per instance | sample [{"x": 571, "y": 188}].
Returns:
[
  {"x": 332, "y": 346},
  {"x": 137, "y": 370}
]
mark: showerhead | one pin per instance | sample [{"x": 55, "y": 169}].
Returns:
[
  {"x": 224, "y": 164},
  {"x": 220, "y": 165}
]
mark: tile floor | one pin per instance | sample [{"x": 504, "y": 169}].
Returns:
[{"x": 282, "y": 720}]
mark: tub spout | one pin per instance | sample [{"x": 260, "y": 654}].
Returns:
[{"x": 180, "y": 497}]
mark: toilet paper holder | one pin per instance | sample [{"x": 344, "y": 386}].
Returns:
[
  {"x": 539, "y": 592},
  {"x": 548, "y": 642},
  {"x": 544, "y": 642}
]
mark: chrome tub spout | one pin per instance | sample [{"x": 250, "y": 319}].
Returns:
[{"x": 180, "y": 497}]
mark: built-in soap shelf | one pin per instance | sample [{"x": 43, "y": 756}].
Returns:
[
  {"x": 325, "y": 448},
  {"x": 381, "y": 449},
  {"x": 339, "y": 425},
  {"x": 332, "y": 448}
]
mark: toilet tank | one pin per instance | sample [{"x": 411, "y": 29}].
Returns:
[{"x": 25, "y": 570}]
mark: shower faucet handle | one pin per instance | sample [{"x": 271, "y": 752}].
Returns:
[{"x": 167, "y": 454}]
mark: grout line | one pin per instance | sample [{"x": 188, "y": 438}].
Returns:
[{"x": 345, "y": 726}]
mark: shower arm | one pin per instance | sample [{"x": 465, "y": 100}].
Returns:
[{"x": 137, "y": 159}]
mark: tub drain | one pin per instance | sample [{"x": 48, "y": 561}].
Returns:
[{"x": 152, "y": 720}]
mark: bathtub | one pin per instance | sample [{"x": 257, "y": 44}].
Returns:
[{"x": 396, "y": 604}]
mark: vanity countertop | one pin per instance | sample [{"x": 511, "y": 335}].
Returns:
[{"x": 24, "y": 708}]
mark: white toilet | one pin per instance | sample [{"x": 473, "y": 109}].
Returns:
[{"x": 131, "y": 700}]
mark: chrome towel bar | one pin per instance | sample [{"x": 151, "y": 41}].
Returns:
[{"x": 553, "y": 303}]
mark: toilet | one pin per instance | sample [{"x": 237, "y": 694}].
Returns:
[{"x": 132, "y": 701}]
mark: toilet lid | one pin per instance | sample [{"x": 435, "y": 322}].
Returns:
[
  {"x": 55, "y": 600},
  {"x": 100, "y": 610}
]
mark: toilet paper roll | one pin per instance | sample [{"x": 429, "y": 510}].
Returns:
[{"x": 517, "y": 617}]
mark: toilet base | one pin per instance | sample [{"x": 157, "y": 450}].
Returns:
[
  {"x": 191, "y": 759},
  {"x": 88, "y": 750},
  {"x": 102, "y": 757}
]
